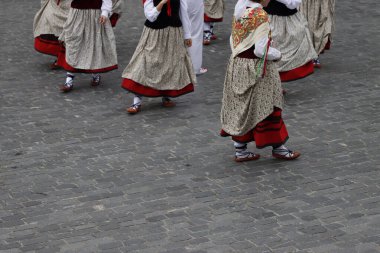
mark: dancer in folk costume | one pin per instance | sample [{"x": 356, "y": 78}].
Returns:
[
  {"x": 48, "y": 25},
  {"x": 214, "y": 10},
  {"x": 252, "y": 96},
  {"x": 291, "y": 34},
  {"x": 196, "y": 16},
  {"x": 89, "y": 41},
  {"x": 320, "y": 16},
  {"x": 161, "y": 66}
]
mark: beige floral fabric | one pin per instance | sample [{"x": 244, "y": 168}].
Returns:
[
  {"x": 118, "y": 6},
  {"x": 51, "y": 18},
  {"x": 161, "y": 60},
  {"x": 214, "y": 8},
  {"x": 292, "y": 37},
  {"x": 320, "y": 16},
  {"x": 247, "y": 99},
  {"x": 89, "y": 45}
]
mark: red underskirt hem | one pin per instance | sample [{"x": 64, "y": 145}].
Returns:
[
  {"x": 297, "y": 73},
  {"x": 142, "y": 90},
  {"x": 270, "y": 132},
  {"x": 215, "y": 20},
  {"x": 61, "y": 62},
  {"x": 49, "y": 47}
]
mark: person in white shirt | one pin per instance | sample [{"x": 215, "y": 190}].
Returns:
[
  {"x": 252, "y": 96},
  {"x": 161, "y": 65},
  {"x": 320, "y": 17},
  {"x": 195, "y": 8},
  {"x": 89, "y": 41}
]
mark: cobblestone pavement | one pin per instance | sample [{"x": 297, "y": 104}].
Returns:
[{"x": 78, "y": 174}]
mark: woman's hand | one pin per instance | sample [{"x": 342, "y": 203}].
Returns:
[
  {"x": 102, "y": 19},
  {"x": 188, "y": 42}
]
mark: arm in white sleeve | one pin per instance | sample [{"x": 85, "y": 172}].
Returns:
[
  {"x": 261, "y": 47},
  {"x": 184, "y": 15},
  {"x": 150, "y": 11},
  {"x": 106, "y": 8},
  {"x": 291, "y": 4}
]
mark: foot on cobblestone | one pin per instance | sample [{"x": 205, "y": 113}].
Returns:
[
  {"x": 284, "y": 153},
  {"x": 167, "y": 102},
  {"x": 67, "y": 87},
  {"x": 246, "y": 156},
  {"x": 135, "y": 108},
  {"x": 95, "y": 80},
  {"x": 206, "y": 38}
]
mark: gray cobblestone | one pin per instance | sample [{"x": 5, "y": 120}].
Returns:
[{"x": 79, "y": 175}]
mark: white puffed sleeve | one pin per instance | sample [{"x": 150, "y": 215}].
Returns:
[
  {"x": 150, "y": 11},
  {"x": 106, "y": 7},
  {"x": 291, "y": 4},
  {"x": 184, "y": 15},
  {"x": 261, "y": 47}
]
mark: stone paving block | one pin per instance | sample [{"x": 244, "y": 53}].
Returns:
[{"x": 79, "y": 175}]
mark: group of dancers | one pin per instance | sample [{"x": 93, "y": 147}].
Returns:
[{"x": 272, "y": 41}]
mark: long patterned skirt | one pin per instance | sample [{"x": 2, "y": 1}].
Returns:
[
  {"x": 160, "y": 65},
  {"x": 214, "y": 10},
  {"x": 89, "y": 47},
  {"x": 320, "y": 17},
  {"x": 48, "y": 25},
  {"x": 251, "y": 106},
  {"x": 292, "y": 37}
]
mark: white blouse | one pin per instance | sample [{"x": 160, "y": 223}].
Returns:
[
  {"x": 106, "y": 7},
  {"x": 151, "y": 13}
]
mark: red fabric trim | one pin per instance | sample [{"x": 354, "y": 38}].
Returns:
[
  {"x": 269, "y": 132},
  {"x": 142, "y": 90},
  {"x": 50, "y": 47},
  {"x": 114, "y": 18},
  {"x": 297, "y": 73},
  {"x": 63, "y": 64},
  {"x": 215, "y": 20}
]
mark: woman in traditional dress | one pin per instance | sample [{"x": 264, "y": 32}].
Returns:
[
  {"x": 89, "y": 41},
  {"x": 252, "y": 96},
  {"x": 161, "y": 66},
  {"x": 291, "y": 34},
  {"x": 48, "y": 25},
  {"x": 196, "y": 16},
  {"x": 214, "y": 10},
  {"x": 320, "y": 16}
]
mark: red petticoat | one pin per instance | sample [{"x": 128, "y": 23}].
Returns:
[
  {"x": 63, "y": 64},
  {"x": 49, "y": 46},
  {"x": 269, "y": 132},
  {"x": 214, "y": 20},
  {"x": 142, "y": 90},
  {"x": 114, "y": 18},
  {"x": 297, "y": 73}
]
